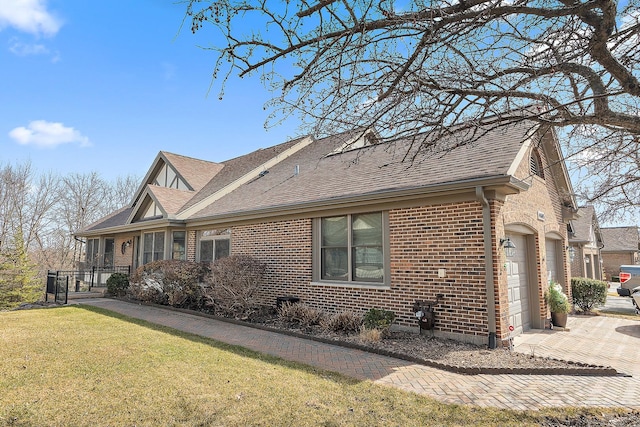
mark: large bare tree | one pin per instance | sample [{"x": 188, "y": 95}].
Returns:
[{"x": 424, "y": 66}]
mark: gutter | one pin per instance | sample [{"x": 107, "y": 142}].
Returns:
[
  {"x": 507, "y": 184},
  {"x": 488, "y": 260}
]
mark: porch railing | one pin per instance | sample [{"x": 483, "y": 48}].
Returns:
[{"x": 87, "y": 278}]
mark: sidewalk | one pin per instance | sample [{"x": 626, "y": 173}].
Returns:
[{"x": 501, "y": 391}]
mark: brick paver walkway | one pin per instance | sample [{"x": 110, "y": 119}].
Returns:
[{"x": 500, "y": 391}]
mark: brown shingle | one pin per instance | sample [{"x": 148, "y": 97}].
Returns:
[
  {"x": 620, "y": 239},
  {"x": 170, "y": 199},
  {"x": 195, "y": 171},
  {"x": 370, "y": 170}
]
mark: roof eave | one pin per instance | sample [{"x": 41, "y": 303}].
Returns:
[
  {"x": 505, "y": 184},
  {"x": 136, "y": 226}
]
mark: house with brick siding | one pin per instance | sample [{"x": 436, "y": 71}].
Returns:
[
  {"x": 585, "y": 243},
  {"x": 621, "y": 247},
  {"x": 474, "y": 230}
]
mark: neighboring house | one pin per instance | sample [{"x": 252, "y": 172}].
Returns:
[
  {"x": 347, "y": 223},
  {"x": 621, "y": 247},
  {"x": 585, "y": 243}
]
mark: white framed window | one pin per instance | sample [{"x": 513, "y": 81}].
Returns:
[
  {"x": 352, "y": 248},
  {"x": 153, "y": 247},
  {"x": 179, "y": 245},
  {"x": 214, "y": 244},
  {"x": 93, "y": 245}
]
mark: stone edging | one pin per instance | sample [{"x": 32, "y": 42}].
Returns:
[{"x": 580, "y": 369}]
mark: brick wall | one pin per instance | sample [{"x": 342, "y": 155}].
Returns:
[
  {"x": 125, "y": 258},
  {"x": 191, "y": 245},
  {"x": 421, "y": 241},
  {"x": 611, "y": 262},
  {"x": 521, "y": 210}
]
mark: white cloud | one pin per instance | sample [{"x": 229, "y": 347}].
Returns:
[
  {"x": 26, "y": 49},
  {"x": 19, "y": 48},
  {"x": 48, "y": 135},
  {"x": 30, "y": 16}
]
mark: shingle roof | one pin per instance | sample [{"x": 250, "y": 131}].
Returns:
[
  {"x": 370, "y": 170},
  {"x": 620, "y": 239},
  {"x": 582, "y": 226},
  {"x": 114, "y": 219},
  {"x": 170, "y": 199},
  {"x": 195, "y": 171},
  {"x": 323, "y": 178},
  {"x": 236, "y": 167}
]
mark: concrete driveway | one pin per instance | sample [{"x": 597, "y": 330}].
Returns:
[{"x": 619, "y": 305}]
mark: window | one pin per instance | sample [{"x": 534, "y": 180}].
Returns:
[
  {"x": 153, "y": 247},
  {"x": 214, "y": 244},
  {"x": 92, "y": 251},
  {"x": 109, "y": 245},
  {"x": 179, "y": 245},
  {"x": 351, "y": 248}
]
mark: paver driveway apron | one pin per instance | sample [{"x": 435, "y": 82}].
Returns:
[{"x": 500, "y": 391}]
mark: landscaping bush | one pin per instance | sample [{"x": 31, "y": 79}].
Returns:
[
  {"x": 556, "y": 299},
  {"x": 370, "y": 335},
  {"x": 379, "y": 319},
  {"x": 170, "y": 282},
  {"x": 300, "y": 314},
  {"x": 345, "y": 322},
  {"x": 588, "y": 293},
  {"x": 117, "y": 284},
  {"x": 233, "y": 284}
]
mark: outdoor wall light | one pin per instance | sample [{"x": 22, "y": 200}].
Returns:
[
  {"x": 124, "y": 246},
  {"x": 508, "y": 246},
  {"x": 587, "y": 260},
  {"x": 572, "y": 253}
]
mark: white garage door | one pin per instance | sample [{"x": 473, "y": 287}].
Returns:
[
  {"x": 518, "y": 286},
  {"x": 552, "y": 260}
]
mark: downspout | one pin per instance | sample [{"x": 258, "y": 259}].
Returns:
[{"x": 488, "y": 261}]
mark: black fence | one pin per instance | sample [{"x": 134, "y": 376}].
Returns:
[
  {"x": 85, "y": 279},
  {"x": 58, "y": 285}
]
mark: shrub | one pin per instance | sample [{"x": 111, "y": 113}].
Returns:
[
  {"x": 117, "y": 284},
  {"x": 556, "y": 299},
  {"x": 370, "y": 335},
  {"x": 345, "y": 322},
  {"x": 379, "y": 319},
  {"x": 588, "y": 293},
  {"x": 173, "y": 282},
  {"x": 233, "y": 284},
  {"x": 300, "y": 314}
]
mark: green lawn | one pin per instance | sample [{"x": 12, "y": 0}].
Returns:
[{"x": 76, "y": 366}]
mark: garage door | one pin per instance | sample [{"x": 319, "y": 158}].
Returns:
[
  {"x": 518, "y": 286},
  {"x": 552, "y": 260}
]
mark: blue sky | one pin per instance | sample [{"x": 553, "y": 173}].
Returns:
[{"x": 104, "y": 85}]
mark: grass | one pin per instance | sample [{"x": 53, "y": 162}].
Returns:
[
  {"x": 618, "y": 314},
  {"x": 90, "y": 367}
]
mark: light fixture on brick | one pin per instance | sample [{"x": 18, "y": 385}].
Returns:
[{"x": 508, "y": 246}]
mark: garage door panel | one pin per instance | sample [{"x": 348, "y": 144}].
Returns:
[
  {"x": 552, "y": 260},
  {"x": 518, "y": 288}
]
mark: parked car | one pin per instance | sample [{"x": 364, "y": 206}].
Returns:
[
  {"x": 636, "y": 301},
  {"x": 629, "y": 280}
]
